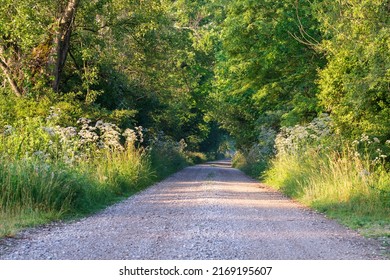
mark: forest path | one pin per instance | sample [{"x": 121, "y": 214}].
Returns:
[{"x": 208, "y": 211}]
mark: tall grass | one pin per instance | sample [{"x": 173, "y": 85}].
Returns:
[
  {"x": 340, "y": 185},
  {"x": 33, "y": 192},
  {"x": 48, "y": 172},
  {"x": 349, "y": 182}
]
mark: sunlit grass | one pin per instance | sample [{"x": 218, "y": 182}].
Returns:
[
  {"x": 342, "y": 185},
  {"x": 50, "y": 173},
  {"x": 34, "y": 192},
  {"x": 11, "y": 223}
]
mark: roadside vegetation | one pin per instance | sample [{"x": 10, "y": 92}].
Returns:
[
  {"x": 303, "y": 87},
  {"x": 347, "y": 181},
  {"x": 49, "y": 172},
  {"x": 98, "y": 99}
]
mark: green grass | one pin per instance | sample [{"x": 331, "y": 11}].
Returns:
[
  {"x": 166, "y": 160},
  {"x": 249, "y": 165},
  {"x": 345, "y": 187},
  {"x": 36, "y": 192}
]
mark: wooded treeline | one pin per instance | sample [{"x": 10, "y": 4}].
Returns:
[
  {"x": 301, "y": 84},
  {"x": 177, "y": 66},
  {"x": 282, "y": 63},
  {"x": 131, "y": 62}
]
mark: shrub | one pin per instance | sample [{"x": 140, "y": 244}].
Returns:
[
  {"x": 347, "y": 180},
  {"x": 48, "y": 171},
  {"x": 254, "y": 160},
  {"x": 167, "y": 156}
]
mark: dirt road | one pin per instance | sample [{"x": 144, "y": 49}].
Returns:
[{"x": 208, "y": 211}]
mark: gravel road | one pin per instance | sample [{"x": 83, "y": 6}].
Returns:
[{"x": 208, "y": 211}]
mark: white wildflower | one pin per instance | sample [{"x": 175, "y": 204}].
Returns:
[
  {"x": 87, "y": 136},
  {"x": 357, "y": 154},
  {"x": 68, "y": 132},
  {"x": 364, "y": 138},
  {"x": 109, "y": 135},
  {"x": 182, "y": 145},
  {"x": 364, "y": 173},
  {"x": 129, "y": 135},
  {"x": 8, "y": 129},
  {"x": 140, "y": 135},
  {"x": 50, "y": 131}
]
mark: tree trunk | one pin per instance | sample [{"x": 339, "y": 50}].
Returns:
[
  {"x": 8, "y": 74},
  {"x": 62, "y": 41}
]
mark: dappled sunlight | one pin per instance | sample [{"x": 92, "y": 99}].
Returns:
[
  {"x": 164, "y": 107},
  {"x": 184, "y": 219},
  {"x": 218, "y": 164},
  {"x": 223, "y": 202}
]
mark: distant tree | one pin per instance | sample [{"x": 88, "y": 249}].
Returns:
[{"x": 266, "y": 69}]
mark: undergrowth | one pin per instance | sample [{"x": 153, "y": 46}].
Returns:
[
  {"x": 347, "y": 180},
  {"x": 49, "y": 172},
  {"x": 339, "y": 185}
]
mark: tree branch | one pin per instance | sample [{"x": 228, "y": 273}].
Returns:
[{"x": 306, "y": 37}]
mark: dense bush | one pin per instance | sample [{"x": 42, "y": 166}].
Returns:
[
  {"x": 254, "y": 160},
  {"x": 347, "y": 180},
  {"x": 49, "y": 171}
]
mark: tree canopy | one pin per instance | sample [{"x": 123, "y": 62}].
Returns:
[{"x": 183, "y": 67}]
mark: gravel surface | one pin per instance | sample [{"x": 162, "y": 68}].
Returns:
[{"x": 208, "y": 211}]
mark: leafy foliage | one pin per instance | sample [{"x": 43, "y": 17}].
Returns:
[
  {"x": 264, "y": 76},
  {"x": 195, "y": 73},
  {"x": 355, "y": 82}
]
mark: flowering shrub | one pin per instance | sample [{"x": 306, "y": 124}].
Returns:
[
  {"x": 32, "y": 138},
  {"x": 314, "y": 164},
  {"x": 291, "y": 140},
  {"x": 47, "y": 170},
  {"x": 254, "y": 160},
  {"x": 372, "y": 150},
  {"x": 319, "y": 136}
]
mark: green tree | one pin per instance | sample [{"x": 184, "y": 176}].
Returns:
[
  {"x": 266, "y": 70},
  {"x": 355, "y": 82},
  {"x": 34, "y": 41}
]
